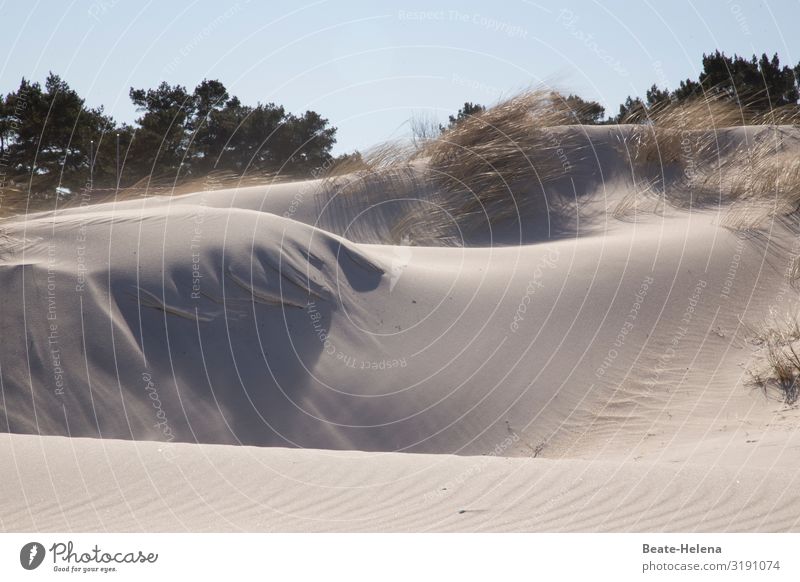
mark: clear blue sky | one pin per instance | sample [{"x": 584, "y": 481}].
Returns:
[{"x": 368, "y": 66}]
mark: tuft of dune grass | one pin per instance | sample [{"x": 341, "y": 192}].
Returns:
[
  {"x": 680, "y": 151},
  {"x": 489, "y": 167},
  {"x": 485, "y": 164},
  {"x": 499, "y": 164},
  {"x": 681, "y": 133},
  {"x": 645, "y": 198},
  {"x": 778, "y": 371}
]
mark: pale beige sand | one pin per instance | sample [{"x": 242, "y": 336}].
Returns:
[
  {"x": 59, "y": 484},
  {"x": 614, "y": 354}
]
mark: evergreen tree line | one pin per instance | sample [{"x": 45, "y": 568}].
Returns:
[
  {"x": 759, "y": 85},
  {"x": 49, "y": 136}
]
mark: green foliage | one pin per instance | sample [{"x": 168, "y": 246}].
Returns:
[
  {"x": 758, "y": 84},
  {"x": 48, "y": 136},
  {"x": 469, "y": 110},
  {"x": 46, "y": 132},
  {"x": 584, "y": 112}
]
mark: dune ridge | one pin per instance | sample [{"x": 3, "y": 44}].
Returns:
[{"x": 596, "y": 332}]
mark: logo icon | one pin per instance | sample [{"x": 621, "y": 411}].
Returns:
[{"x": 31, "y": 555}]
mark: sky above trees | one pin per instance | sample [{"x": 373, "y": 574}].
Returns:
[{"x": 368, "y": 67}]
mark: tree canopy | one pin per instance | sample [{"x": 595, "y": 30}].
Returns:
[
  {"x": 759, "y": 84},
  {"x": 49, "y": 136}
]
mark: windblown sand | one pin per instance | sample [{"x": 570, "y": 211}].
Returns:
[{"x": 260, "y": 359}]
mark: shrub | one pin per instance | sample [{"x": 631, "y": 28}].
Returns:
[{"x": 779, "y": 369}]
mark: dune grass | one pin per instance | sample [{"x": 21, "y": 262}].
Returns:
[
  {"x": 490, "y": 167},
  {"x": 503, "y": 162},
  {"x": 485, "y": 164},
  {"x": 17, "y": 200},
  {"x": 684, "y": 152},
  {"x": 778, "y": 369},
  {"x": 498, "y": 164},
  {"x": 681, "y": 133}
]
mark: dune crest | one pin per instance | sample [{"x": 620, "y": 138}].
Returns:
[{"x": 594, "y": 319}]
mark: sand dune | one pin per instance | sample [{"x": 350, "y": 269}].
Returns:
[
  {"x": 79, "y": 485},
  {"x": 587, "y": 370}
]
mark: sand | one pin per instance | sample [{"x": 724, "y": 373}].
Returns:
[{"x": 264, "y": 359}]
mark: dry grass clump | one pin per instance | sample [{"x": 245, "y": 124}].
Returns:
[
  {"x": 648, "y": 145},
  {"x": 507, "y": 162},
  {"x": 496, "y": 165},
  {"x": 784, "y": 115},
  {"x": 385, "y": 156},
  {"x": 778, "y": 373},
  {"x": 760, "y": 177},
  {"x": 382, "y": 166},
  {"x": 18, "y": 200},
  {"x": 682, "y": 149},
  {"x": 681, "y": 133},
  {"x": 708, "y": 112},
  {"x": 385, "y": 173},
  {"x": 504, "y": 145},
  {"x": 766, "y": 186},
  {"x": 489, "y": 167},
  {"x": 487, "y": 162},
  {"x": 644, "y": 199},
  {"x": 773, "y": 172}
]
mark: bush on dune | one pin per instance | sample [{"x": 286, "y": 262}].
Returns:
[
  {"x": 687, "y": 156},
  {"x": 778, "y": 370},
  {"x": 509, "y": 144},
  {"x": 496, "y": 164},
  {"x": 488, "y": 166}
]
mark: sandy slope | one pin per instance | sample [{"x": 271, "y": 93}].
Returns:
[
  {"x": 614, "y": 353},
  {"x": 61, "y": 484}
]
